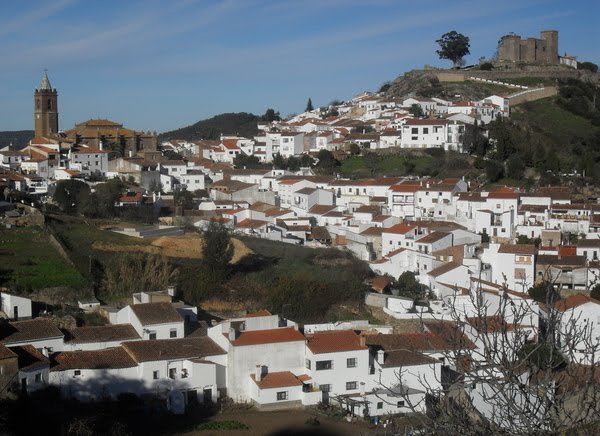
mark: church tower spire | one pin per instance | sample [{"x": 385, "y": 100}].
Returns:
[{"x": 45, "y": 115}]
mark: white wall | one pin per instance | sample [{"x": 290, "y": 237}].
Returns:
[
  {"x": 9, "y": 302},
  {"x": 340, "y": 374}
]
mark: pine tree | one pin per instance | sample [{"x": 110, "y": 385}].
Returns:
[{"x": 309, "y": 106}]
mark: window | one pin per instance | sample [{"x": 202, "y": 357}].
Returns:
[
  {"x": 38, "y": 377},
  {"x": 414, "y": 130},
  {"x": 282, "y": 396},
  {"x": 155, "y": 375},
  {"x": 172, "y": 373},
  {"x": 400, "y": 404},
  {"x": 350, "y": 386},
  {"x": 325, "y": 388},
  {"x": 308, "y": 363},
  {"x": 323, "y": 364},
  {"x": 351, "y": 362},
  {"x": 173, "y": 333},
  {"x": 77, "y": 372},
  {"x": 152, "y": 335},
  {"x": 425, "y": 130},
  {"x": 380, "y": 405},
  {"x": 184, "y": 373}
]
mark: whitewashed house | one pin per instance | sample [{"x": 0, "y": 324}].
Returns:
[
  {"x": 337, "y": 362},
  {"x": 42, "y": 334},
  {"x": 153, "y": 320},
  {"x": 15, "y": 307}
]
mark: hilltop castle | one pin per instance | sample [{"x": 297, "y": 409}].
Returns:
[{"x": 542, "y": 50}]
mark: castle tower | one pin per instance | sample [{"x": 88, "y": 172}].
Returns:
[
  {"x": 551, "y": 52},
  {"x": 45, "y": 114}
]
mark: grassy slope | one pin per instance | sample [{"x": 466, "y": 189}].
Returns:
[
  {"x": 78, "y": 238},
  {"x": 29, "y": 261},
  {"x": 547, "y": 118},
  {"x": 311, "y": 283}
]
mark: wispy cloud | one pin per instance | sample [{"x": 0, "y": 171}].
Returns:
[{"x": 36, "y": 14}]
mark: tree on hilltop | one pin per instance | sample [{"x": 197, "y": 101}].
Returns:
[
  {"x": 454, "y": 46},
  {"x": 309, "y": 106}
]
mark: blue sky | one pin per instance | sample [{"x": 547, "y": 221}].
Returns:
[{"x": 163, "y": 64}]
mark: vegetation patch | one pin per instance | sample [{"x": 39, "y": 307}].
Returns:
[
  {"x": 222, "y": 425},
  {"x": 29, "y": 261}
]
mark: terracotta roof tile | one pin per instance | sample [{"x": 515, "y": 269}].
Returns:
[
  {"x": 574, "y": 301},
  {"x": 156, "y": 313},
  {"x": 277, "y": 380},
  {"x": 167, "y": 349},
  {"x": 6, "y": 353},
  {"x": 527, "y": 249},
  {"x": 110, "y": 358},
  {"x": 402, "y": 358},
  {"x": 401, "y": 228},
  {"x": 271, "y": 336},
  {"x": 443, "y": 269},
  {"x": 107, "y": 333},
  {"x": 30, "y": 330},
  {"x": 30, "y": 358},
  {"x": 334, "y": 341}
]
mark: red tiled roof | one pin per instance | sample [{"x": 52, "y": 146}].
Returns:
[
  {"x": 156, "y": 313},
  {"x": 106, "y": 333},
  {"x": 251, "y": 224},
  {"x": 574, "y": 301},
  {"x": 271, "y": 336},
  {"x": 29, "y": 357},
  {"x": 405, "y": 187},
  {"x": 277, "y": 380},
  {"x": 6, "y": 353},
  {"x": 401, "y": 228},
  {"x": 526, "y": 249},
  {"x": 426, "y": 122},
  {"x": 110, "y": 358},
  {"x": 334, "y": 342},
  {"x": 230, "y": 144},
  {"x": 135, "y": 198},
  {"x": 444, "y": 269},
  {"x": 29, "y": 330}
]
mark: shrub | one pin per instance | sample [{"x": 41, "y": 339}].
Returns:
[
  {"x": 222, "y": 425},
  {"x": 486, "y": 66}
]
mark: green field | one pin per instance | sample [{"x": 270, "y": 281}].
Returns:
[
  {"x": 28, "y": 261},
  {"x": 556, "y": 123},
  {"x": 78, "y": 238}
]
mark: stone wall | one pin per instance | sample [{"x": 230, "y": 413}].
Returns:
[{"x": 532, "y": 95}]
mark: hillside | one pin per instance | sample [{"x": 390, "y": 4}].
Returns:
[
  {"x": 426, "y": 84},
  {"x": 18, "y": 138},
  {"x": 241, "y": 123}
]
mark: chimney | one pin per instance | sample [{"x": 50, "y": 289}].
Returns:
[
  {"x": 171, "y": 290},
  {"x": 258, "y": 373},
  {"x": 130, "y": 153},
  {"x": 45, "y": 351},
  {"x": 362, "y": 389},
  {"x": 232, "y": 334},
  {"x": 363, "y": 341},
  {"x": 380, "y": 356}
]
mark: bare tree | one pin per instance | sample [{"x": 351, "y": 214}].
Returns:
[
  {"x": 135, "y": 272},
  {"x": 513, "y": 367}
]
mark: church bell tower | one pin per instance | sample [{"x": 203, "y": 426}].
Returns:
[{"x": 45, "y": 114}]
